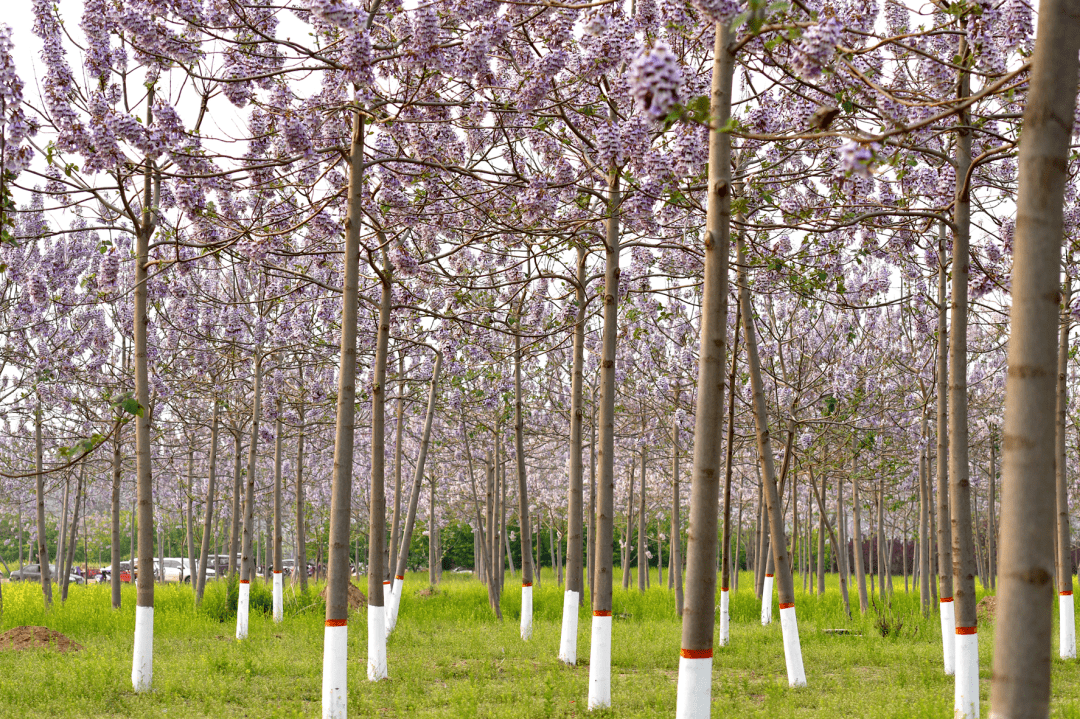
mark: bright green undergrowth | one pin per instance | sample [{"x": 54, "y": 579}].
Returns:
[{"x": 449, "y": 657}]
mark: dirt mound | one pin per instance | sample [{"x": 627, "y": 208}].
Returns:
[
  {"x": 36, "y": 637},
  {"x": 426, "y": 592},
  {"x": 987, "y": 609},
  {"x": 357, "y": 599}
]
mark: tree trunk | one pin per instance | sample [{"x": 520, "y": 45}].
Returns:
[
  {"x": 944, "y": 526},
  {"x": 234, "y": 532},
  {"x": 991, "y": 518},
  {"x": 65, "y": 570},
  {"x": 784, "y": 585},
  {"x": 600, "y": 651},
  {"x": 963, "y": 544},
  {"x": 642, "y": 557},
  {"x": 575, "y": 492},
  {"x": 1066, "y": 611},
  {"x": 856, "y": 521},
  {"x": 675, "y": 568},
  {"x": 395, "y": 534},
  {"x": 114, "y": 525},
  {"x": 190, "y": 523},
  {"x": 377, "y": 623},
  {"x": 1021, "y": 670},
  {"x": 924, "y": 523},
  {"x": 821, "y": 543},
  {"x": 628, "y": 536},
  {"x": 725, "y": 561},
  {"x": 414, "y": 500},
  {"x": 335, "y": 633},
  {"x": 300, "y": 563},
  {"x": 523, "y": 497},
  {"x": 832, "y": 539},
  {"x": 247, "y": 561},
  {"x": 211, "y": 488},
  {"x": 279, "y": 589}
]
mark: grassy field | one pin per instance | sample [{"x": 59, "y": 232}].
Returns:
[{"x": 450, "y": 658}]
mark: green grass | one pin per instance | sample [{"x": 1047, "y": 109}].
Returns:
[{"x": 450, "y": 658}]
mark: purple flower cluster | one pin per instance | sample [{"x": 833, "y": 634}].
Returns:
[
  {"x": 655, "y": 77},
  {"x": 816, "y": 48}
]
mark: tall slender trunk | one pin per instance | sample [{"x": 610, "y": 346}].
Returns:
[
  {"x": 395, "y": 533},
  {"x": 1066, "y": 609},
  {"x": 234, "y": 531},
  {"x": 279, "y": 599},
  {"x": 65, "y": 570},
  {"x": 377, "y": 668},
  {"x": 642, "y": 558},
  {"x": 779, "y": 557},
  {"x": 991, "y": 519},
  {"x": 675, "y": 573},
  {"x": 591, "y": 539},
  {"x": 335, "y": 633},
  {"x": 883, "y": 567},
  {"x": 856, "y": 520},
  {"x": 628, "y": 536},
  {"x": 832, "y": 537},
  {"x": 247, "y": 561},
  {"x": 963, "y": 543},
  {"x": 142, "y": 661},
  {"x": 924, "y": 522},
  {"x": 841, "y": 530},
  {"x": 114, "y": 525},
  {"x": 208, "y": 517},
  {"x": 944, "y": 525},
  {"x": 523, "y": 496},
  {"x": 414, "y": 499},
  {"x": 300, "y": 565},
  {"x": 575, "y": 493},
  {"x": 1021, "y": 670},
  {"x": 61, "y": 534},
  {"x": 725, "y": 562},
  {"x": 431, "y": 532},
  {"x": 190, "y": 524},
  {"x": 821, "y": 542},
  {"x": 600, "y": 651}
]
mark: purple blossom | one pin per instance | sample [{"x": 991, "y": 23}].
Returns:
[{"x": 655, "y": 77}]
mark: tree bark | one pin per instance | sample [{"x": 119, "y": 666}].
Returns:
[
  {"x": 208, "y": 517},
  {"x": 575, "y": 494},
  {"x": 675, "y": 573},
  {"x": 247, "y": 561},
  {"x": 860, "y": 566},
  {"x": 114, "y": 525},
  {"x": 395, "y": 533},
  {"x": 1021, "y": 669},
  {"x": 944, "y": 525},
  {"x": 234, "y": 532},
  {"x": 1061, "y": 474}
]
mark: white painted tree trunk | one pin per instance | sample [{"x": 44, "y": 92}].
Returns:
[
  {"x": 948, "y": 635},
  {"x": 393, "y": 603},
  {"x": 796, "y": 675},
  {"x": 1066, "y": 626},
  {"x": 568, "y": 639},
  {"x": 694, "y": 693},
  {"x": 142, "y": 668},
  {"x": 335, "y": 674},
  {"x": 279, "y": 607},
  {"x": 526, "y": 611},
  {"x": 600, "y": 662},
  {"x": 242, "y": 609},
  {"x": 766, "y": 601},
  {"x": 966, "y": 697},
  {"x": 376, "y": 643},
  {"x": 725, "y": 617}
]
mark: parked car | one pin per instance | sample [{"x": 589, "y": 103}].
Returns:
[
  {"x": 178, "y": 569},
  {"x": 126, "y": 574},
  {"x": 32, "y": 573}
]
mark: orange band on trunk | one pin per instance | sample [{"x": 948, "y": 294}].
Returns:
[
  {"x": 601, "y": 613},
  {"x": 336, "y": 622},
  {"x": 696, "y": 653},
  {"x": 946, "y": 599},
  {"x": 768, "y": 575},
  {"x": 1065, "y": 594},
  {"x": 723, "y": 589},
  {"x": 967, "y": 630},
  {"x": 526, "y": 584},
  {"x": 787, "y": 605},
  {"x": 245, "y": 581},
  {"x": 399, "y": 576},
  {"x": 277, "y": 572},
  {"x": 386, "y": 581}
]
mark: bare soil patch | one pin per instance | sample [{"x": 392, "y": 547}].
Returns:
[
  {"x": 357, "y": 599},
  {"x": 21, "y": 638},
  {"x": 987, "y": 609}
]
